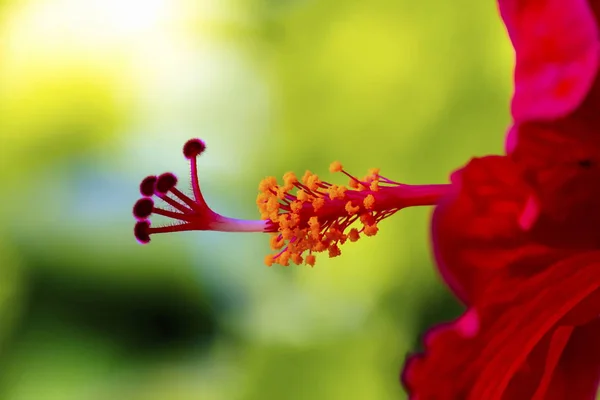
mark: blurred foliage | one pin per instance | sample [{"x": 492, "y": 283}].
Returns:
[{"x": 94, "y": 95}]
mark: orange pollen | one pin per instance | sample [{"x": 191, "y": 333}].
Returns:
[
  {"x": 312, "y": 216},
  {"x": 335, "y": 166},
  {"x": 350, "y": 209}
]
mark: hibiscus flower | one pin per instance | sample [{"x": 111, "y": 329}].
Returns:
[
  {"x": 518, "y": 241},
  {"x": 515, "y": 236}
]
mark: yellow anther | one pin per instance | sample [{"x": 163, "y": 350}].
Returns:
[
  {"x": 332, "y": 192},
  {"x": 325, "y": 225},
  {"x": 281, "y": 192},
  {"x": 276, "y": 243},
  {"x": 337, "y": 192},
  {"x": 262, "y": 198},
  {"x": 289, "y": 179},
  {"x": 291, "y": 247},
  {"x": 343, "y": 238},
  {"x": 318, "y": 203},
  {"x": 302, "y": 195},
  {"x": 350, "y": 209},
  {"x": 313, "y": 182},
  {"x": 336, "y": 232},
  {"x": 335, "y": 166},
  {"x": 296, "y": 206},
  {"x": 374, "y": 171},
  {"x": 284, "y": 221},
  {"x": 333, "y": 234},
  {"x": 262, "y": 208},
  {"x": 369, "y": 201},
  {"x": 272, "y": 204},
  {"x": 296, "y": 258},
  {"x": 334, "y": 251},
  {"x": 306, "y": 177},
  {"x": 366, "y": 219},
  {"x": 287, "y": 233},
  {"x": 267, "y": 183},
  {"x": 274, "y": 216},
  {"x": 284, "y": 258},
  {"x": 269, "y": 260},
  {"x": 295, "y": 219},
  {"x": 320, "y": 246},
  {"x": 371, "y": 230},
  {"x": 315, "y": 228},
  {"x": 262, "y": 205}
]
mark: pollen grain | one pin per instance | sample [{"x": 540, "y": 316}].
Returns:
[{"x": 308, "y": 215}]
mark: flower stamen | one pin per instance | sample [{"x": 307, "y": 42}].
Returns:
[
  {"x": 304, "y": 216},
  {"x": 315, "y": 218}
]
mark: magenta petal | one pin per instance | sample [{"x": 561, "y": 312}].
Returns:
[
  {"x": 511, "y": 139},
  {"x": 557, "y": 52}
]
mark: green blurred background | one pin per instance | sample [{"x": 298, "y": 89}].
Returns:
[{"x": 96, "y": 94}]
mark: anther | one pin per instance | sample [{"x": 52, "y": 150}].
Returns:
[
  {"x": 335, "y": 166},
  {"x": 143, "y": 208},
  {"x": 318, "y": 215}
]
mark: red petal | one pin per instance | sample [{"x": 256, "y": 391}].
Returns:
[
  {"x": 578, "y": 372},
  {"x": 476, "y": 232},
  {"x": 556, "y": 46},
  {"x": 522, "y": 345},
  {"x": 561, "y": 163}
]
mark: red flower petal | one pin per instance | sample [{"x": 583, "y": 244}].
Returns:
[
  {"x": 523, "y": 346},
  {"x": 576, "y": 375},
  {"x": 557, "y": 50},
  {"x": 477, "y": 231},
  {"x": 560, "y": 161}
]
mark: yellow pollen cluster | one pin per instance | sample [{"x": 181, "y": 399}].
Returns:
[{"x": 317, "y": 216}]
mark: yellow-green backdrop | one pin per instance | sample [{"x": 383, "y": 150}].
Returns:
[{"x": 94, "y": 95}]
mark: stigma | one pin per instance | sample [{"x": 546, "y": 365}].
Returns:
[{"x": 304, "y": 216}]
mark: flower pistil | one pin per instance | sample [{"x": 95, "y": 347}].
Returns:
[{"x": 304, "y": 215}]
